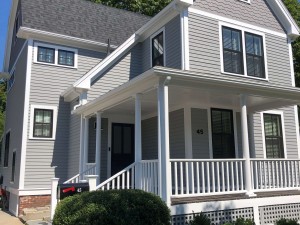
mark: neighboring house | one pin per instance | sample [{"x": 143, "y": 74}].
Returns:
[{"x": 198, "y": 105}]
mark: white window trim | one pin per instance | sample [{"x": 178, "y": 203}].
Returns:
[
  {"x": 35, "y": 55},
  {"x": 14, "y": 151},
  {"x": 275, "y": 112},
  {"x": 164, "y": 39},
  {"x": 243, "y": 30},
  {"x": 246, "y": 1},
  {"x": 33, "y": 107}
]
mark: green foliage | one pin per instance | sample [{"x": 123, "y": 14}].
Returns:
[
  {"x": 2, "y": 105},
  {"x": 146, "y": 7},
  {"x": 294, "y": 7},
  {"x": 241, "y": 221},
  {"x": 200, "y": 219},
  {"x": 283, "y": 221},
  {"x": 115, "y": 207}
]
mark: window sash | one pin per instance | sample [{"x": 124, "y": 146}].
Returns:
[
  {"x": 273, "y": 136},
  {"x": 46, "y": 55},
  {"x": 254, "y": 55},
  {"x": 158, "y": 50},
  {"x": 232, "y": 51},
  {"x": 6, "y": 151},
  {"x": 13, "y": 167},
  {"x": 43, "y": 123},
  {"x": 66, "y": 58}
]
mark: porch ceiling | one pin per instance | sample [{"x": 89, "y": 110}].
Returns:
[{"x": 194, "y": 90}]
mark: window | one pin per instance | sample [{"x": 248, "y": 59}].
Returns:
[
  {"x": 243, "y": 52},
  {"x": 65, "y": 58},
  {"x": 55, "y": 55},
  {"x": 46, "y": 55},
  {"x": 1, "y": 147},
  {"x": 158, "y": 50},
  {"x": 232, "y": 51},
  {"x": 6, "y": 150},
  {"x": 273, "y": 136},
  {"x": 13, "y": 166},
  {"x": 16, "y": 26},
  {"x": 43, "y": 123},
  {"x": 11, "y": 81},
  {"x": 254, "y": 55},
  {"x": 222, "y": 133}
]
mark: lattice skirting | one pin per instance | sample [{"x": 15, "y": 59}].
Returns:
[
  {"x": 270, "y": 214},
  {"x": 216, "y": 217}
]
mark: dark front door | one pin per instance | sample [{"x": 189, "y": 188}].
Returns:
[
  {"x": 122, "y": 154},
  {"x": 222, "y": 133}
]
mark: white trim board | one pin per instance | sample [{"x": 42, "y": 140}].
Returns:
[
  {"x": 25, "y": 116},
  {"x": 185, "y": 48},
  {"x": 235, "y": 22}
]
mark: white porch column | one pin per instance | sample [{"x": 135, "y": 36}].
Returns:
[
  {"x": 98, "y": 145},
  {"x": 138, "y": 141},
  {"x": 163, "y": 141},
  {"x": 86, "y": 142},
  {"x": 245, "y": 141}
]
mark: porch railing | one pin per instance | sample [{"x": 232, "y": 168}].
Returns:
[
  {"x": 90, "y": 170},
  {"x": 275, "y": 174},
  {"x": 127, "y": 178},
  {"x": 204, "y": 176}
]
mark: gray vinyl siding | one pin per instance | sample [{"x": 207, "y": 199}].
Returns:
[
  {"x": 47, "y": 158},
  {"x": 128, "y": 67},
  {"x": 146, "y": 55},
  {"x": 257, "y": 13},
  {"x": 74, "y": 142},
  {"x": 14, "y": 120},
  {"x": 150, "y": 137},
  {"x": 205, "y": 51},
  {"x": 200, "y": 142},
  {"x": 290, "y": 133},
  {"x": 173, "y": 43}
]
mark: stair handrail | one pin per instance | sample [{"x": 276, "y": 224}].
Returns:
[
  {"x": 79, "y": 174},
  {"x": 116, "y": 175}
]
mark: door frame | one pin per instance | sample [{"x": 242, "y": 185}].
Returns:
[{"x": 115, "y": 119}]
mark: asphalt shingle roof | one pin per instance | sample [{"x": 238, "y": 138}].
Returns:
[{"x": 82, "y": 19}]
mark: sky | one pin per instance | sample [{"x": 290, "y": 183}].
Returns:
[{"x": 4, "y": 14}]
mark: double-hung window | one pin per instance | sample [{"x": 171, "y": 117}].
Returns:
[
  {"x": 158, "y": 50},
  {"x": 273, "y": 136},
  {"x": 232, "y": 51},
  {"x": 243, "y": 53},
  {"x": 43, "y": 123}
]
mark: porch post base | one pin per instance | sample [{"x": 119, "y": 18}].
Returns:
[{"x": 251, "y": 194}]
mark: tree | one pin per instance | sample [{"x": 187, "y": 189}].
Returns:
[
  {"x": 2, "y": 106},
  {"x": 294, "y": 7},
  {"x": 146, "y": 7}
]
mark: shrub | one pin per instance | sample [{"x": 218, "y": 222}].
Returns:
[
  {"x": 115, "y": 207},
  {"x": 283, "y": 221},
  {"x": 200, "y": 219}
]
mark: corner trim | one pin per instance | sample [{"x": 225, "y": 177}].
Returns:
[{"x": 26, "y": 115}]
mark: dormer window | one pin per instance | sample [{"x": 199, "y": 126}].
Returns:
[
  {"x": 65, "y": 58},
  {"x": 158, "y": 50}
]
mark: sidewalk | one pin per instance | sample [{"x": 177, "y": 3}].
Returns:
[{"x": 7, "y": 219}]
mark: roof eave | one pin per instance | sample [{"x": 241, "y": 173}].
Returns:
[{"x": 169, "y": 12}]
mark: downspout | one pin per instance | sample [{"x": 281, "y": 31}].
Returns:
[{"x": 82, "y": 98}]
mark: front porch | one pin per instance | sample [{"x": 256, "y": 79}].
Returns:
[{"x": 177, "y": 159}]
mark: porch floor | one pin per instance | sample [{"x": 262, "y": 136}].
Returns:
[{"x": 228, "y": 197}]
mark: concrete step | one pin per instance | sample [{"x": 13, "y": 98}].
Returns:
[{"x": 38, "y": 213}]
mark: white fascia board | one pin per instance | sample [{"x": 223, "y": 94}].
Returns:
[
  {"x": 11, "y": 22},
  {"x": 285, "y": 18},
  {"x": 30, "y": 33},
  {"x": 155, "y": 23}
]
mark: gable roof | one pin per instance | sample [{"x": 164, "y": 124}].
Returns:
[{"x": 81, "y": 19}]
